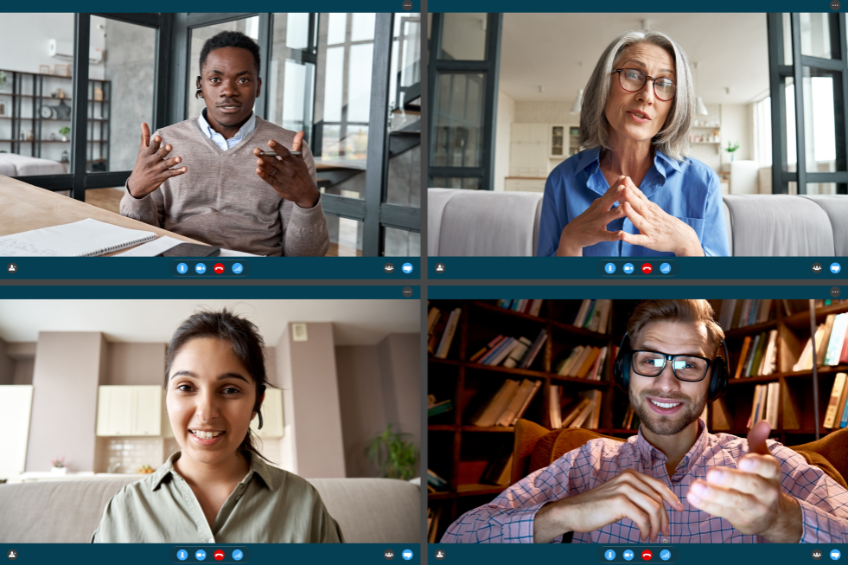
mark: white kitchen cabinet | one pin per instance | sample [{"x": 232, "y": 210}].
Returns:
[
  {"x": 129, "y": 410},
  {"x": 15, "y": 411},
  {"x": 529, "y": 147},
  {"x": 272, "y": 415},
  {"x": 525, "y": 185}
]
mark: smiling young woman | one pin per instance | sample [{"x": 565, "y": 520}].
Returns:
[{"x": 218, "y": 488}]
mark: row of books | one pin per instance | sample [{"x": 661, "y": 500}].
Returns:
[
  {"x": 836, "y": 415},
  {"x": 434, "y": 514},
  {"x": 582, "y": 412},
  {"x": 499, "y": 469},
  {"x": 511, "y": 352},
  {"x": 441, "y": 327},
  {"x": 758, "y": 356},
  {"x": 830, "y": 342},
  {"x": 594, "y": 315},
  {"x": 766, "y": 404},
  {"x": 743, "y": 313},
  {"x": 525, "y": 306},
  {"x": 631, "y": 420},
  {"x": 584, "y": 362},
  {"x": 508, "y": 404},
  {"x": 435, "y": 483}
]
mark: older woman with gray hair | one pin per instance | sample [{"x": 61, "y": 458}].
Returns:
[{"x": 632, "y": 190}]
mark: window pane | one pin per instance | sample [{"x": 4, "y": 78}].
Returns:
[
  {"x": 820, "y": 122},
  {"x": 248, "y": 26},
  {"x": 459, "y": 120},
  {"x": 468, "y": 182},
  {"x": 120, "y": 93},
  {"x": 359, "y": 82},
  {"x": 362, "y": 28},
  {"x": 821, "y": 188},
  {"x": 333, "y": 82},
  {"x": 463, "y": 37},
  {"x": 337, "y": 28},
  {"x": 345, "y": 237},
  {"x": 816, "y": 35},
  {"x": 402, "y": 243},
  {"x": 791, "y": 145},
  {"x": 295, "y": 29},
  {"x": 41, "y": 84}
]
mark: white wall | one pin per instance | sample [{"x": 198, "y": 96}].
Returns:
[
  {"x": 737, "y": 124},
  {"x": 506, "y": 117}
]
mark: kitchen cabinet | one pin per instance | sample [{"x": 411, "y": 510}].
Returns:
[
  {"x": 15, "y": 411},
  {"x": 272, "y": 415},
  {"x": 129, "y": 410},
  {"x": 524, "y": 184}
]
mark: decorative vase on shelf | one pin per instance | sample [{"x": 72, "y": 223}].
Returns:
[{"x": 59, "y": 470}]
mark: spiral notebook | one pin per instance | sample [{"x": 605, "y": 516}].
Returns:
[{"x": 86, "y": 238}]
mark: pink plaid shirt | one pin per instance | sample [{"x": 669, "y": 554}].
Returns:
[{"x": 509, "y": 517}]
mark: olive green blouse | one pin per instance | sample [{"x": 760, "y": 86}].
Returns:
[{"x": 268, "y": 506}]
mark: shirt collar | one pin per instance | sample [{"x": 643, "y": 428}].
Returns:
[
  {"x": 248, "y": 126},
  {"x": 257, "y": 466},
  {"x": 592, "y": 157},
  {"x": 649, "y": 453}
]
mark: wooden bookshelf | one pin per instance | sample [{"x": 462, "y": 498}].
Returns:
[{"x": 459, "y": 451}]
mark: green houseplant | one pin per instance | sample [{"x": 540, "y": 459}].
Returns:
[
  {"x": 64, "y": 131},
  {"x": 396, "y": 456},
  {"x": 731, "y": 148}
]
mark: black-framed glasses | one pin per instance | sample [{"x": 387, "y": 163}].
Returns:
[
  {"x": 633, "y": 80},
  {"x": 688, "y": 368}
]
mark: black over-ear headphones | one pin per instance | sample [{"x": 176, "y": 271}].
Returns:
[{"x": 718, "y": 379}]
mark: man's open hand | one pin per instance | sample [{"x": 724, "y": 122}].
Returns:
[
  {"x": 750, "y": 497},
  {"x": 152, "y": 167},
  {"x": 288, "y": 174}
]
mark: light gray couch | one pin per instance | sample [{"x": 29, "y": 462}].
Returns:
[
  {"x": 368, "y": 510},
  {"x": 484, "y": 223}
]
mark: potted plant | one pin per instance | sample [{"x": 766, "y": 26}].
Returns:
[
  {"x": 731, "y": 148},
  {"x": 64, "y": 131},
  {"x": 396, "y": 456},
  {"x": 58, "y": 466}
]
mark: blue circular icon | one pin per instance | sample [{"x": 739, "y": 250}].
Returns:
[
  {"x": 665, "y": 268},
  {"x": 182, "y": 268},
  {"x": 238, "y": 554},
  {"x": 407, "y": 553},
  {"x": 407, "y": 268},
  {"x": 609, "y": 268},
  {"x": 835, "y": 268},
  {"x": 609, "y": 554},
  {"x": 200, "y": 555},
  {"x": 200, "y": 268},
  {"x": 628, "y": 268},
  {"x": 628, "y": 555},
  {"x": 835, "y": 555},
  {"x": 238, "y": 268},
  {"x": 182, "y": 555},
  {"x": 665, "y": 555}
]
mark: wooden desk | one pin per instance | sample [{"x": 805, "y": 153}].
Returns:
[{"x": 25, "y": 207}]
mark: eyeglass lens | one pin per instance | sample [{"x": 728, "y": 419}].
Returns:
[
  {"x": 633, "y": 80},
  {"x": 686, "y": 368}
]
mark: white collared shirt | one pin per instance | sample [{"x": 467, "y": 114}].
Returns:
[{"x": 218, "y": 139}]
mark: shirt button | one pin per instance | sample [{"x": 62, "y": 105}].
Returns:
[
  {"x": 665, "y": 540},
  {"x": 211, "y": 540}
]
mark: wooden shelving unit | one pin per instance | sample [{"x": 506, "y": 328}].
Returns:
[
  {"x": 459, "y": 452},
  {"x": 30, "y": 87}
]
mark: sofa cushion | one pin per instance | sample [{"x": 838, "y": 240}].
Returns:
[
  {"x": 437, "y": 199},
  {"x": 836, "y": 207},
  {"x": 778, "y": 225},
  {"x": 367, "y": 510},
  {"x": 486, "y": 224}
]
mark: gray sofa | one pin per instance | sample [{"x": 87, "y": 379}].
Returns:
[
  {"x": 484, "y": 223},
  {"x": 368, "y": 510}
]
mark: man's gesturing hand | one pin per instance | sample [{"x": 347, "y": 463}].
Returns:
[
  {"x": 590, "y": 227},
  {"x": 288, "y": 174},
  {"x": 630, "y": 495},
  {"x": 151, "y": 166},
  {"x": 750, "y": 497}
]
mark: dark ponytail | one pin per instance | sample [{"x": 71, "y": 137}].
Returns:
[{"x": 243, "y": 336}]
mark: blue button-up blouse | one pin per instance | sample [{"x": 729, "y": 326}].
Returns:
[{"x": 688, "y": 190}]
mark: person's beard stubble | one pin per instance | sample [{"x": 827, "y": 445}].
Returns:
[{"x": 665, "y": 425}]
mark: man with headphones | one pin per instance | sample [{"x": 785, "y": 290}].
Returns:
[{"x": 673, "y": 482}]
